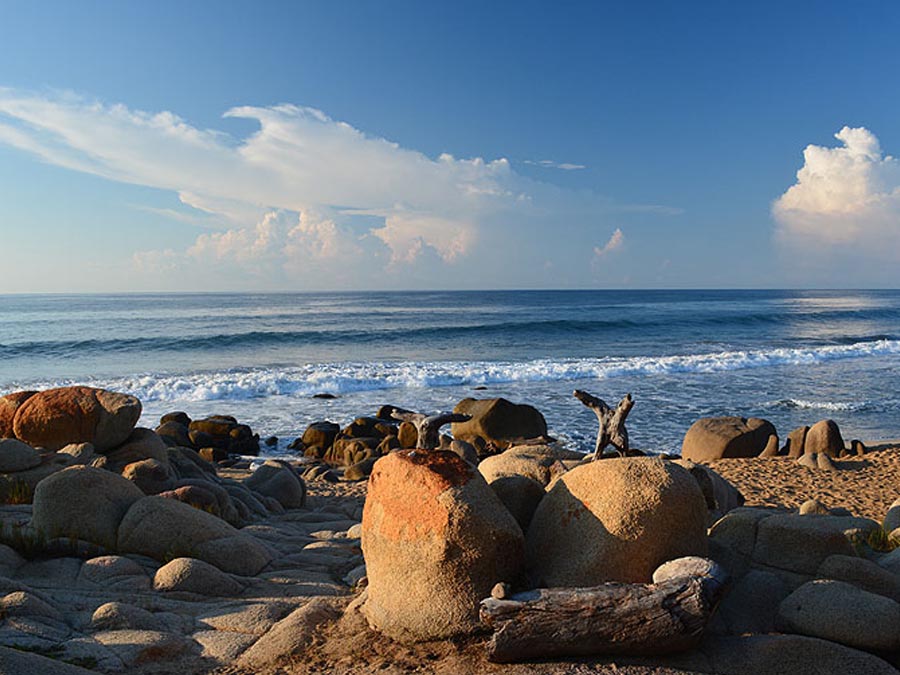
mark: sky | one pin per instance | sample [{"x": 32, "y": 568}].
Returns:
[{"x": 238, "y": 146}]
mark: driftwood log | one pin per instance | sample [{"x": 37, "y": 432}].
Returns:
[
  {"x": 612, "y": 422},
  {"x": 429, "y": 426},
  {"x": 615, "y": 618}
]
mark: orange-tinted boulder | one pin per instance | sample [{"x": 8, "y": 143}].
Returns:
[
  {"x": 436, "y": 539},
  {"x": 9, "y": 404},
  {"x": 56, "y": 417}
]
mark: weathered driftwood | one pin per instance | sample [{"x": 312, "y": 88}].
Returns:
[
  {"x": 429, "y": 426},
  {"x": 612, "y": 422},
  {"x": 613, "y": 618}
]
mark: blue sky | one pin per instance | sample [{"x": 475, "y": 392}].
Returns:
[{"x": 448, "y": 145}]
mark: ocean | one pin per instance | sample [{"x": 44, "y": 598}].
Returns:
[{"x": 792, "y": 357}]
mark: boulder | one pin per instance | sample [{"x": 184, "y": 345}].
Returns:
[
  {"x": 150, "y": 475},
  {"x": 862, "y": 573},
  {"x": 177, "y": 416},
  {"x": 321, "y": 434},
  {"x": 892, "y": 518},
  {"x": 408, "y": 435},
  {"x": 520, "y": 495},
  {"x": 711, "y": 438},
  {"x": 771, "y": 449},
  {"x": 436, "y": 539},
  {"x": 751, "y": 606},
  {"x": 122, "y": 616},
  {"x": 190, "y": 575},
  {"x": 891, "y": 562},
  {"x": 840, "y": 612},
  {"x": 291, "y": 635},
  {"x": 810, "y": 460},
  {"x": 360, "y": 470},
  {"x": 83, "y": 503},
  {"x": 824, "y": 438},
  {"x": 278, "y": 480},
  {"x": 114, "y": 572},
  {"x": 796, "y": 442},
  {"x": 165, "y": 528},
  {"x": 17, "y": 456},
  {"x": 369, "y": 427},
  {"x": 174, "y": 434},
  {"x": 813, "y": 507},
  {"x": 213, "y": 454},
  {"x": 54, "y": 418},
  {"x": 498, "y": 422},
  {"x": 9, "y": 404},
  {"x": 720, "y": 495},
  {"x": 615, "y": 520},
  {"x": 81, "y": 453},
  {"x": 538, "y": 462}
]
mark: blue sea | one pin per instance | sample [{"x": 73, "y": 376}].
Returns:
[{"x": 792, "y": 357}]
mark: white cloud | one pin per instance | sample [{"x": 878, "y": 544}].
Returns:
[
  {"x": 615, "y": 242},
  {"x": 846, "y": 201},
  {"x": 305, "y": 191},
  {"x": 550, "y": 164}
]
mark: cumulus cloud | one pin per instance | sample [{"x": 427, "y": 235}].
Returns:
[
  {"x": 615, "y": 242},
  {"x": 846, "y": 200},
  {"x": 305, "y": 190}
]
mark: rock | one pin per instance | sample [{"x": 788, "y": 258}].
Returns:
[
  {"x": 186, "y": 463},
  {"x": 15, "y": 662},
  {"x": 824, "y": 438},
  {"x": 892, "y": 517},
  {"x": 465, "y": 450},
  {"x": 408, "y": 435},
  {"x": 369, "y": 427},
  {"x": 809, "y": 460},
  {"x": 164, "y": 528},
  {"x": 858, "y": 448},
  {"x": 796, "y": 442},
  {"x": 83, "y": 503},
  {"x": 122, "y": 616},
  {"x": 150, "y": 475},
  {"x": 17, "y": 456},
  {"x": 360, "y": 470},
  {"x": 824, "y": 462},
  {"x": 436, "y": 539},
  {"x": 520, "y": 495},
  {"x": 837, "y": 611},
  {"x": 141, "y": 444},
  {"x": 720, "y": 495},
  {"x": 771, "y": 449},
  {"x": 81, "y": 453},
  {"x": 321, "y": 434},
  {"x": 9, "y": 404},
  {"x": 178, "y": 417},
  {"x": 813, "y": 507},
  {"x": 135, "y": 647},
  {"x": 498, "y": 422},
  {"x": 615, "y": 520},
  {"x": 278, "y": 480},
  {"x": 271, "y": 441},
  {"x": 891, "y": 562},
  {"x": 223, "y": 431},
  {"x": 290, "y": 635},
  {"x": 114, "y": 572},
  {"x": 213, "y": 454},
  {"x": 751, "y": 606},
  {"x": 711, "y": 438},
  {"x": 174, "y": 434},
  {"x": 862, "y": 573},
  {"x": 196, "y": 496},
  {"x": 538, "y": 462},
  {"x": 195, "y": 576},
  {"x": 54, "y": 418}
]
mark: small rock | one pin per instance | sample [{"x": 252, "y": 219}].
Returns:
[
  {"x": 122, "y": 616},
  {"x": 813, "y": 506},
  {"x": 195, "y": 576},
  {"x": 271, "y": 441},
  {"x": 501, "y": 590}
]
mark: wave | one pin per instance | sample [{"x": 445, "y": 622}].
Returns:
[{"x": 342, "y": 378}]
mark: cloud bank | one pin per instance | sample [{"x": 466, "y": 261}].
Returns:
[
  {"x": 306, "y": 197},
  {"x": 845, "y": 205}
]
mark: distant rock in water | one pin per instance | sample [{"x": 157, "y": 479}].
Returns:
[{"x": 325, "y": 396}]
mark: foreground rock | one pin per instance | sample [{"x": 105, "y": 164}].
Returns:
[
  {"x": 615, "y": 520},
  {"x": 711, "y": 438},
  {"x": 436, "y": 539},
  {"x": 54, "y": 418}
]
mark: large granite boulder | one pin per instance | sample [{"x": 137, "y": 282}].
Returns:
[
  {"x": 840, "y": 612},
  {"x": 17, "y": 456},
  {"x": 538, "y": 462},
  {"x": 436, "y": 539},
  {"x": 54, "y": 418},
  {"x": 278, "y": 480},
  {"x": 520, "y": 495},
  {"x": 163, "y": 529},
  {"x": 498, "y": 423},
  {"x": 711, "y": 438},
  {"x": 83, "y": 503},
  {"x": 141, "y": 444},
  {"x": 824, "y": 438},
  {"x": 320, "y": 435},
  {"x": 615, "y": 520},
  {"x": 9, "y": 404}
]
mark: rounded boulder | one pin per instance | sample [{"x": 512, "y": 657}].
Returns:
[
  {"x": 711, "y": 438},
  {"x": 436, "y": 539},
  {"x": 615, "y": 520}
]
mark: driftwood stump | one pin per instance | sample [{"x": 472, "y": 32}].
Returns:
[
  {"x": 429, "y": 426},
  {"x": 612, "y": 422},
  {"x": 611, "y": 619}
]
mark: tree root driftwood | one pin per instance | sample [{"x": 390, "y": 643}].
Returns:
[
  {"x": 611, "y": 420},
  {"x": 615, "y": 618}
]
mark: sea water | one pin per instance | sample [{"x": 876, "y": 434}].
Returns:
[{"x": 792, "y": 357}]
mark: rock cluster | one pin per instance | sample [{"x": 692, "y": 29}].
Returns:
[{"x": 213, "y": 437}]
